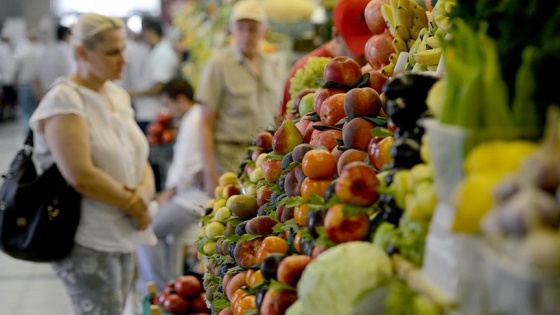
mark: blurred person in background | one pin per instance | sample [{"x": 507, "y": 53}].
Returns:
[
  {"x": 27, "y": 57},
  {"x": 239, "y": 90},
  {"x": 56, "y": 60},
  {"x": 85, "y": 125},
  {"x": 159, "y": 65},
  {"x": 349, "y": 36},
  {"x": 8, "y": 71},
  {"x": 182, "y": 197}
]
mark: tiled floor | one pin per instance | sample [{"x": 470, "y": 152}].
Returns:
[{"x": 28, "y": 288}]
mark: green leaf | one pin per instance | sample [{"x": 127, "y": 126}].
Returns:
[
  {"x": 316, "y": 200},
  {"x": 313, "y": 117},
  {"x": 278, "y": 228},
  {"x": 235, "y": 270},
  {"x": 378, "y": 121},
  {"x": 279, "y": 286},
  {"x": 233, "y": 238},
  {"x": 354, "y": 210},
  {"x": 325, "y": 127},
  {"x": 333, "y": 201},
  {"x": 219, "y": 304},
  {"x": 381, "y": 132},
  {"x": 290, "y": 202},
  {"x": 274, "y": 157},
  {"x": 290, "y": 167},
  {"x": 343, "y": 121},
  {"x": 323, "y": 239},
  {"x": 364, "y": 81}
]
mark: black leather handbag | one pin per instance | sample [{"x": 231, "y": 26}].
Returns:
[{"x": 39, "y": 214}]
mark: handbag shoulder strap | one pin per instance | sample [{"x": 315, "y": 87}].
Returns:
[{"x": 29, "y": 139}]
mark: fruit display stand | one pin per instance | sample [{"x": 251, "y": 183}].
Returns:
[{"x": 388, "y": 191}]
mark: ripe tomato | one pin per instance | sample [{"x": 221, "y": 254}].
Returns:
[
  {"x": 317, "y": 186},
  {"x": 319, "y": 164}
]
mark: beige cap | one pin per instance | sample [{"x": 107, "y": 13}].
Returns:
[{"x": 248, "y": 10}]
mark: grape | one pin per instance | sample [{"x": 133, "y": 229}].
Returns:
[{"x": 308, "y": 76}]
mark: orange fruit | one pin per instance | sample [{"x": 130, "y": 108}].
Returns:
[
  {"x": 274, "y": 244},
  {"x": 317, "y": 186},
  {"x": 300, "y": 214},
  {"x": 244, "y": 304},
  {"x": 297, "y": 240},
  {"x": 319, "y": 164},
  {"x": 255, "y": 278}
]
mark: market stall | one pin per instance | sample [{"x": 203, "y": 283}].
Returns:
[{"x": 426, "y": 185}]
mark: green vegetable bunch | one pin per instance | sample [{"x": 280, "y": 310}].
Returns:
[{"x": 527, "y": 40}]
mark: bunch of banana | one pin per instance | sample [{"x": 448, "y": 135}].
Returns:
[
  {"x": 404, "y": 20},
  {"x": 439, "y": 16},
  {"x": 425, "y": 52}
]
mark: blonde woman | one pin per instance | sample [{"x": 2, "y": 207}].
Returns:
[{"x": 85, "y": 125}]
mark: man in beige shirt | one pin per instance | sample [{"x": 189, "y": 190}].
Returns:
[{"x": 240, "y": 88}]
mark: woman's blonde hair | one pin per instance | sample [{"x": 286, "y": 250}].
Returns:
[{"x": 90, "y": 28}]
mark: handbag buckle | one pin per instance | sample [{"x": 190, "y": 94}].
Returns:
[{"x": 52, "y": 212}]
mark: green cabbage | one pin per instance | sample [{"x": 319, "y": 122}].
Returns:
[{"x": 339, "y": 278}]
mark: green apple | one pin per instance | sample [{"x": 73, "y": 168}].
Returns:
[
  {"x": 256, "y": 175},
  {"x": 306, "y": 104},
  {"x": 222, "y": 214},
  {"x": 209, "y": 248},
  {"x": 260, "y": 159},
  {"x": 214, "y": 229}
]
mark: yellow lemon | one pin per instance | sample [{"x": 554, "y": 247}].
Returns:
[
  {"x": 498, "y": 155},
  {"x": 472, "y": 200}
]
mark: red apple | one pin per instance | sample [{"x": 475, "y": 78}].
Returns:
[
  {"x": 379, "y": 152},
  {"x": 362, "y": 102},
  {"x": 263, "y": 194},
  {"x": 336, "y": 153},
  {"x": 276, "y": 302},
  {"x": 290, "y": 269},
  {"x": 332, "y": 109},
  {"x": 378, "y": 49},
  {"x": 341, "y": 227},
  {"x": 377, "y": 80},
  {"x": 198, "y": 304},
  {"x": 256, "y": 154},
  {"x": 343, "y": 70},
  {"x": 272, "y": 169},
  {"x": 302, "y": 124},
  {"x": 348, "y": 156},
  {"x": 374, "y": 18},
  {"x": 357, "y": 184},
  {"x": 188, "y": 286},
  {"x": 356, "y": 133},
  {"x": 230, "y": 190},
  {"x": 176, "y": 304},
  {"x": 264, "y": 140},
  {"x": 321, "y": 95},
  {"x": 326, "y": 138}
]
